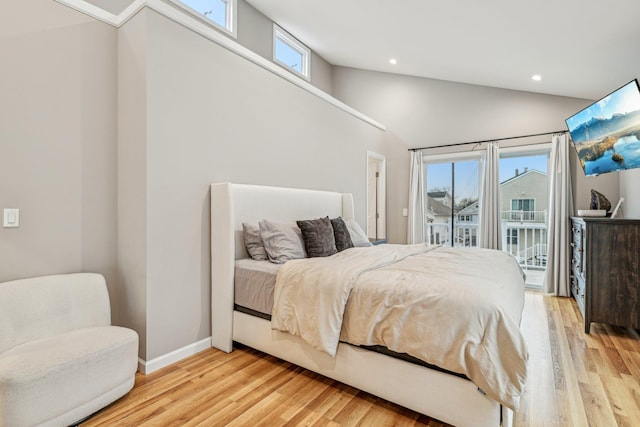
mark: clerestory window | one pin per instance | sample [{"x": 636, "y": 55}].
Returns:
[
  {"x": 220, "y": 12},
  {"x": 290, "y": 53}
]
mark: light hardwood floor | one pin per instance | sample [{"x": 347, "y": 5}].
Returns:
[{"x": 574, "y": 380}]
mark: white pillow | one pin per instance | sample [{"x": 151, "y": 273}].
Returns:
[
  {"x": 282, "y": 240},
  {"x": 358, "y": 236}
]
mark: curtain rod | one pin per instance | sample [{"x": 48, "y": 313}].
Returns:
[{"x": 487, "y": 140}]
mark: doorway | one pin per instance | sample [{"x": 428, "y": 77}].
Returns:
[
  {"x": 451, "y": 200},
  {"x": 376, "y": 197},
  {"x": 524, "y": 197}
]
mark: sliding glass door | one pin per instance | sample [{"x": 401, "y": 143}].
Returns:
[
  {"x": 524, "y": 198},
  {"x": 451, "y": 201}
]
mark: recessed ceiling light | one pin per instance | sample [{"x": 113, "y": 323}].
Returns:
[
  {"x": 536, "y": 77},
  {"x": 393, "y": 61}
]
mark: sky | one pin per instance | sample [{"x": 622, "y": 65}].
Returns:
[
  {"x": 214, "y": 9},
  {"x": 623, "y": 100},
  {"x": 467, "y": 174}
]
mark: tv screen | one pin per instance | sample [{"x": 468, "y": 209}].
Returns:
[{"x": 606, "y": 134}]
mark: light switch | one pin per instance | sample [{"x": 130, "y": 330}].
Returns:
[
  {"x": 11, "y": 218},
  {"x": 405, "y": 212}
]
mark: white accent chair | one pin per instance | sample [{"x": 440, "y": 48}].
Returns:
[{"x": 60, "y": 358}]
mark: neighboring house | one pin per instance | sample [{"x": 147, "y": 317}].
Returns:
[
  {"x": 437, "y": 218},
  {"x": 524, "y": 196},
  {"x": 437, "y": 211},
  {"x": 523, "y": 205},
  {"x": 441, "y": 196},
  {"x": 469, "y": 214},
  {"x": 467, "y": 225}
]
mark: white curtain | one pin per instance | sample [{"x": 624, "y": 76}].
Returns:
[
  {"x": 556, "y": 279},
  {"x": 415, "y": 228},
  {"x": 489, "y": 234}
]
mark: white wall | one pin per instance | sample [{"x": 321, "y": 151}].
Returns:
[
  {"x": 420, "y": 112},
  {"x": 210, "y": 116},
  {"x": 57, "y": 141},
  {"x": 629, "y": 190}
]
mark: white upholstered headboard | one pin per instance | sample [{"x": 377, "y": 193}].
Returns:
[{"x": 233, "y": 204}]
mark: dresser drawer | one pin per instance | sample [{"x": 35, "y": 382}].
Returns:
[{"x": 578, "y": 288}]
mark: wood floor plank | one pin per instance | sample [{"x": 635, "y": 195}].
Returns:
[{"x": 575, "y": 379}]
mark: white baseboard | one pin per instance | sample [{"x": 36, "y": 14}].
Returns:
[{"x": 148, "y": 366}]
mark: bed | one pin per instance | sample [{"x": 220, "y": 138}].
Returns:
[{"x": 439, "y": 394}]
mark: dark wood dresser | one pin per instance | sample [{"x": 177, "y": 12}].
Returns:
[{"x": 605, "y": 276}]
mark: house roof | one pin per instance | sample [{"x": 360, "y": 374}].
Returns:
[
  {"x": 438, "y": 194},
  {"x": 437, "y": 208},
  {"x": 469, "y": 210},
  {"x": 529, "y": 172}
]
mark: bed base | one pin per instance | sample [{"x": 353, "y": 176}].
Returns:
[
  {"x": 445, "y": 397},
  {"x": 439, "y": 395}
]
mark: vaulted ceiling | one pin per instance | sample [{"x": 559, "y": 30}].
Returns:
[{"x": 579, "y": 48}]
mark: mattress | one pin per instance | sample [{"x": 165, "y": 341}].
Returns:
[{"x": 254, "y": 284}]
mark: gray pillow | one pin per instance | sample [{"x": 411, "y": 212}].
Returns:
[
  {"x": 282, "y": 240},
  {"x": 253, "y": 242},
  {"x": 341, "y": 234},
  {"x": 317, "y": 235},
  {"x": 358, "y": 236}
]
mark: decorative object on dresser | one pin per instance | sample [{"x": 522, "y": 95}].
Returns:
[
  {"x": 599, "y": 201},
  {"x": 605, "y": 276}
]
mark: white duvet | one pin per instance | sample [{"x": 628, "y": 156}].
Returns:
[{"x": 455, "y": 308}]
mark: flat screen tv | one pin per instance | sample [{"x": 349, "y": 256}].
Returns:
[{"x": 606, "y": 134}]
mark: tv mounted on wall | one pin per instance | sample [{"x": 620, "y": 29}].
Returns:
[{"x": 606, "y": 134}]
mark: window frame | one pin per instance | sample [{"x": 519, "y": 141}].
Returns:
[
  {"x": 531, "y": 204},
  {"x": 231, "y": 16},
  {"x": 281, "y": 34}
]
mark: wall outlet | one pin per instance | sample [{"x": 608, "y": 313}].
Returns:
[{"x": 11, "y": 218}]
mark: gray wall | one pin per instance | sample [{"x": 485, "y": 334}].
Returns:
[
  {"x": 212, "y": 116},
  {"x": 110, "y": 138},
  {"x": 132, "y": 176},
  {"x": 421, "y": 112},
  {"x": 255, "y": 32},
  {"x": 58, "y": 99}
]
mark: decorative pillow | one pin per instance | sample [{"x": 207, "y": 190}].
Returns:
[
  {"x": 598, "y": 201},
  {"x": 282, "y": 241},
  {"x": 341, "y": 234},
  {"x": 317, "y": 235},
  {"x": 253, "y": 242},
  {"x": 358, "y": 236}
]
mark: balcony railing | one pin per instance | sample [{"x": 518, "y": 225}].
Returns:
[
  {"x": 464, "y": 234},
  {"x": 524, "y": 216},
  {"x": 527, "y": 242}
]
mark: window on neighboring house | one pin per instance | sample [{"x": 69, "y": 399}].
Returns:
[
  {"x": 525, "y": 206},
  {"x": 512, "y": 236},
  {"x": 220, "y": 12},
  {"x": 290, "y": 53}
]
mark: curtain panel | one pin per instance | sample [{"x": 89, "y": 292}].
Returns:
[
  {"x": 556, "y": 280},
  {"x": 490, "y": 234},
  {"x": 415, "y": 227}
]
